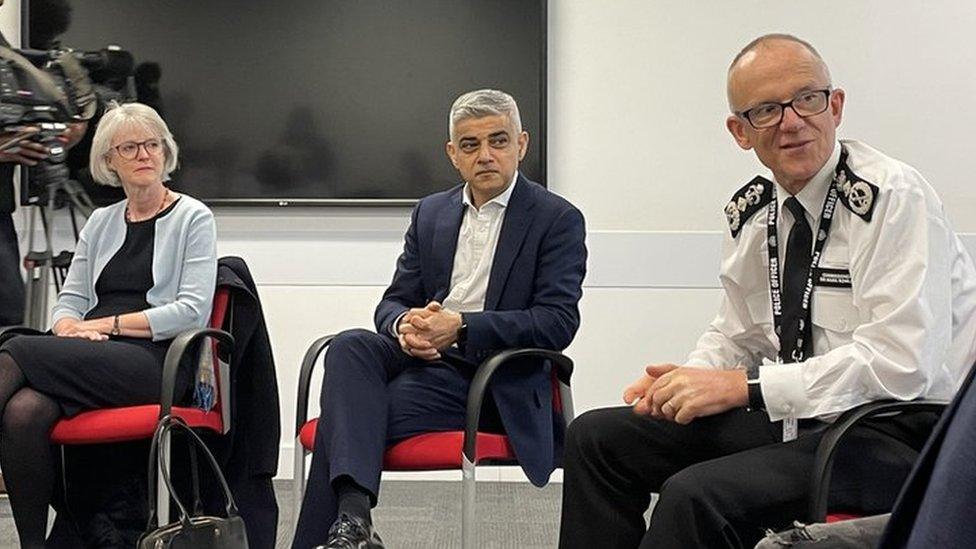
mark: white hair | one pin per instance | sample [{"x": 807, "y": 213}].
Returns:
[
  {"x": 122, "y": 116},
  {"x": 481, "y": 103}
]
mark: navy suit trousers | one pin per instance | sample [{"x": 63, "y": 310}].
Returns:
[{"x": 374, "y": 395}]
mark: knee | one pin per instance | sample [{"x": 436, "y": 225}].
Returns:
[
  {"x": 684, "y": 488},
  {"x": 595, "y": 432},
  {"x": 348, "y": 341},
  {"x": 27, "y": 409},
  {"x": 353, "y": 355},
  {"x": 7, "y": 360}
]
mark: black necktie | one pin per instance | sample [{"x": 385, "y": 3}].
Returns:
[{"x": 795, "y": 322}]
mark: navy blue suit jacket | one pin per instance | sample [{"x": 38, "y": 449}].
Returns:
[
  {"x": 935, "y": 506},
  {"x": 532, "y": 301}
]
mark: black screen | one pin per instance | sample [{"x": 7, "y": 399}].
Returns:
[{"x": 321, "y": 99}]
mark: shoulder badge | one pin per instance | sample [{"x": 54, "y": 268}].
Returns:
[
  {"x": 858, "y": 195},
  {"x": 747, "y": 201}
]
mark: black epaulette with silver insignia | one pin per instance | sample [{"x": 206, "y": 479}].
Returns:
[
  {"x": 747, "y": 201},
  {"x": 858, "y": 195}
]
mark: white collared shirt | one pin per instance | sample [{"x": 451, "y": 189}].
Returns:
[
  {"x": 811, "y": 197},
  {"x": 475, "y": 253},
  {"x": 905, "y": 329}
]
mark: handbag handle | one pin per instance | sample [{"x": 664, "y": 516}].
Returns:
[{"x": 157, "y": 462}]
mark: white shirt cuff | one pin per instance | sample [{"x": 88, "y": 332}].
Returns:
[
  {"x": 783, "y": 390},
  {"x": 395, "y": 325}
]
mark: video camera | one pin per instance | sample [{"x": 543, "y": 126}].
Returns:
[{"x": 41, "y": 92}]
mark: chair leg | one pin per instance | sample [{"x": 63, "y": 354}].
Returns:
[
  {"x": 298, "y": 480},
  {"x": 64, "y": 473},
  {"x": 162, "y": 493},
  {"x": 469, "y": 519}
]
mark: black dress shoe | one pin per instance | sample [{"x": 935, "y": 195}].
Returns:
[{"x": 349, "y": 532}]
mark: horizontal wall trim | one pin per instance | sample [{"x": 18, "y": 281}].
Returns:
[
  {"x": 355, "y": 252},
  {"x": 618, "y": 259}
]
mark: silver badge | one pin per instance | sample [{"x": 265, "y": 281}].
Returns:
[
  {"x": 841, "y": 178},
  {"x": 772, "y": 241},
  {"x": 754, "y": 194},
  {"x": 861, "y": 197},
  {"x": 821, "y": 235},
  {"x": 732, "y": 213}
]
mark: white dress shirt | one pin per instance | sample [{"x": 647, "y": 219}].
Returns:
[
  {"x": 905, "y": 329},
  {"x": 475, "y": 252}
]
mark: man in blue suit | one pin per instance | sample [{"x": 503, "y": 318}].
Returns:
[{"x": 495, "y": 263}]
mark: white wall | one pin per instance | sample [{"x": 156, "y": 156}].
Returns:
[
  {"x": 637, "y": 98},
  {"x": 637, "y": 141}
]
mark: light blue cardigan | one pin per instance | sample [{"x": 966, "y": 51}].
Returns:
[{"x": 184, "y": 267}]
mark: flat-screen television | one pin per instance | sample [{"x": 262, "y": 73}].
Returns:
[{"x": 315, "y": 101}]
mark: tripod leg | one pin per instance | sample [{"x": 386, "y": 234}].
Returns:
[{"x": 36, "y": 290}]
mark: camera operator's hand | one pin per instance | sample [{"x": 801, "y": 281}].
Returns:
[
  {"x": 25, "y": 151},
  {"x": 74, "y": 133},
  {"x": 29, "y": 152}
]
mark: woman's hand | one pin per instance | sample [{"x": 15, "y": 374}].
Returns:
[
  {"x": 70, "y": 327},
  {"x": 88, "y": 334}
]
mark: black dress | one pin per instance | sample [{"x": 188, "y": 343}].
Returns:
[{"x": 124, "y": 371}]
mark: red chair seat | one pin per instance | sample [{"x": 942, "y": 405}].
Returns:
[
  {"x": 430, "y": 451},
  {"x": 129, "y": 423},
  {"x": 838, "y": 517}
]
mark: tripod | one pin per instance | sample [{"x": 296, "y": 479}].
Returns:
[{"x": 43, "y": 264}]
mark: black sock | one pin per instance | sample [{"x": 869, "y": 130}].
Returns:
[{"x": 354, "y": 500}]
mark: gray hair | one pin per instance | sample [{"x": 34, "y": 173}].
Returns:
[
  {"x": 122, "y": 116},
  {"x": 773, "y": 37},
  {"x": 481, "y": 103}
]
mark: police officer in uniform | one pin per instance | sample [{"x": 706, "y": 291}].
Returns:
[{"x": 844, "y": 283}]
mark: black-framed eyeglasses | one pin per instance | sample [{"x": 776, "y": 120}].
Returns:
[
  {"x": 130, "y": 149},
  {"x": 804, "y": 104}
]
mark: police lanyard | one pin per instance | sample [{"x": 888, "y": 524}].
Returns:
[{"x": 772, "y": 243}]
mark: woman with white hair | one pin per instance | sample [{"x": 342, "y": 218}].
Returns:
[{"x": 144, "y": 270}]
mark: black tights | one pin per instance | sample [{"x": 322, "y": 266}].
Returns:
[{"x": 26, "y": 454}]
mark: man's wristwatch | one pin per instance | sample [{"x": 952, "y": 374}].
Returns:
[
  {"x": 462, "y": 332},
  {"x": 756, "y": 401}
]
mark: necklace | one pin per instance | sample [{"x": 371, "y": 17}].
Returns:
[{"x": 162, "y": 205}]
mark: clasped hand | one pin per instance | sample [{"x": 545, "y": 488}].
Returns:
[
  {"x": 681, "y": 394},
  {"x": 423, "y": 332}
]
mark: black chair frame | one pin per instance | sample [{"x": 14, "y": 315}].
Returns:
[{"x": 563, "y": 370}]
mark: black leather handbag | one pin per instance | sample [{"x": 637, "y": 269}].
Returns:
[{"x": 190, "y": 531}]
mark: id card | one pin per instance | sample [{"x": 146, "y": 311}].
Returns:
[{"x": 789, "y": 429}]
